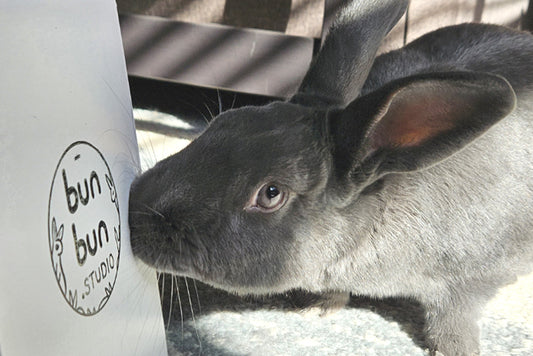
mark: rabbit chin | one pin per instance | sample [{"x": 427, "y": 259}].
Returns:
[{"x": 240, "y": 286}]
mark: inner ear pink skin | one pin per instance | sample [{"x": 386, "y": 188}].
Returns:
[{"x": 414, "y": 116}]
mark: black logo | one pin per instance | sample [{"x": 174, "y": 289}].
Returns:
[{"x": 84, "y": 228}]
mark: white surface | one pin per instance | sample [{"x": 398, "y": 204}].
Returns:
[{"x": 63, "y": 80}]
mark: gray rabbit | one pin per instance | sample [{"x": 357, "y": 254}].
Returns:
[{"x": 409, "y": 174}]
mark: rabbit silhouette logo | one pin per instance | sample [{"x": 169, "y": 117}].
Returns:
[{"x": 84, "y": 228}]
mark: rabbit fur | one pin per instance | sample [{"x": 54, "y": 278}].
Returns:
[{"x": 407, "y": 175}]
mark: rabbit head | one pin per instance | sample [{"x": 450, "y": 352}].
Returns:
[
  {"x": 221, "y": 210},
  {"x": 254, "y": 205}
]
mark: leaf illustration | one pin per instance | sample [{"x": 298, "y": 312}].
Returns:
[
  {"x": 112, "y": 189},
  {"x": 73, "y": 298},
  {"x": 56, "y": 237},
  {"x": 103, "y": 301},
  {"x": 117, "y": 238},
  {"x": 60, "y": 276},
  {"x": 56, "y": 250}
]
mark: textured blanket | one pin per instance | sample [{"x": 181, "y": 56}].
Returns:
[{"x": 221, "y": 324}]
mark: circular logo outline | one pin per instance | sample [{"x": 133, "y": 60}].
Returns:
[{"x": 55, "y": 236}]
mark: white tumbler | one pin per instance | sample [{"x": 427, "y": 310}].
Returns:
[{"x": 69, "y": 284}]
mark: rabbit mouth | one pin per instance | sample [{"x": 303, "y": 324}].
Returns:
[
  {"x": 167, "y": 253},
  {"x": 160, "y": 242}
]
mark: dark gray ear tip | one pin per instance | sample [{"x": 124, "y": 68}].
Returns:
[
  {"x": 496, "y": 89},
  {"x": 504, "y": 90},
  {"x": 500, "y": 94}
]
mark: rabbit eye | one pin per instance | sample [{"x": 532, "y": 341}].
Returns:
[{"x": 269, "y": 198}]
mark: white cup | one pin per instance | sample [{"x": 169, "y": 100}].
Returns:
[{"x": 69, "y": 284}]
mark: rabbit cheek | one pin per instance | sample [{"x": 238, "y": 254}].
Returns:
[{"x": 247, "y": 256}]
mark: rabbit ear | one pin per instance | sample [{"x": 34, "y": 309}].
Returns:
[
  {"x": 340, "y": 69},
  {"x": 418, "y": 121}
]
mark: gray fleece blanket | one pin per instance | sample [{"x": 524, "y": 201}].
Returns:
[{"x": 205, "y": 321}]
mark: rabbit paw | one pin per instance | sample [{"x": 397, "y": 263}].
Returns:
[{"x": 321, "y": 304}]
